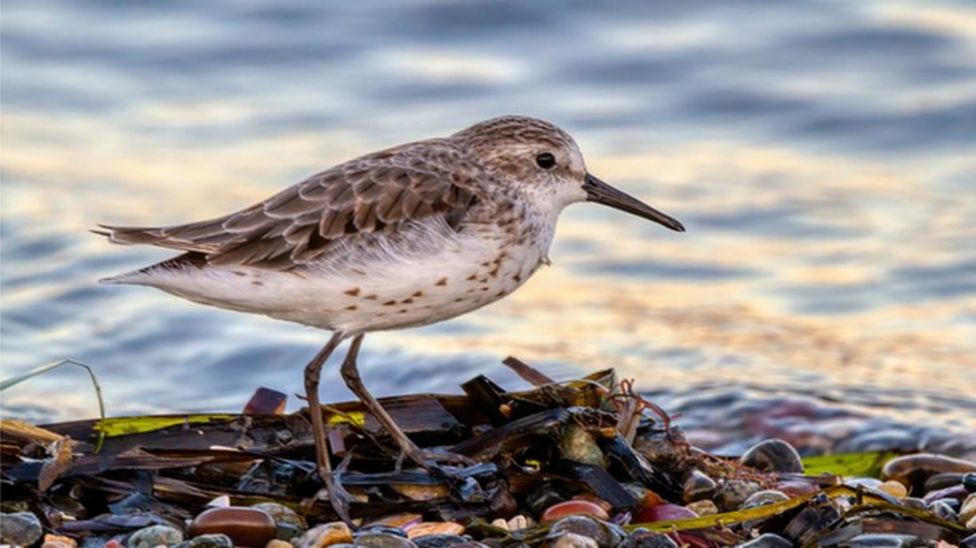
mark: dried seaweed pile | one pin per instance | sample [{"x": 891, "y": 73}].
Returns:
[{"x": 582, "y": 463}]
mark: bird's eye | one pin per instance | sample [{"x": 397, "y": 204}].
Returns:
[{"x": 545, "y": 160}]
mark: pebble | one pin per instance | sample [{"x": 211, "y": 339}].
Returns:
[
  {"x": 773, "y": 455},
  {"x": 425, "y": 528},
  {"x": 768, "y": 540},
  {"x": 731, "y": 494},
  {"x": 883, "y": 540},
  {"x": 287, "y": 522},
  {"x": 697, "y": 486},
  {"x": 922, "y": 465},
  {"x": 663, "y": 512},
  {"x": 155, "y": 535},
  {"x": 378, "y": 539},
  {"x": 703, "y": 507},
  {"x": 943, "y": 510},
  {"x": 969, "y": 482},
  {"x": 439, "y": 541},
  {"x": 762, "y": 498},
  {"x": 422, "y": 493},
  {"x": 968, "y": 509},
  {"x": 913, "y": 502},
  {"x": 971, "y": 523},
  {"x": 572, "y": 540},
  {"x": 578, "y": 445},
  {"x": 642, "y": 538},
  {"x": 941, "y": 481},
  {"x": 208, "y": 541},
  {"x": 797, "y": 488},
  {"x": 400, "y": 521},
  {"x": 572, "y": 508},
  {"x": 20, "y": 529},
  {"x": 520, "y": 522},
  {"x": 894, "y": 488},
  {"x": 277, "y": 543},
  {"x": 245, "y": 526},
  {"x": 326, "y": 534},
  {"x": 957, "y": 492},
  {"x": 605, "y": 534},
  {"x": 56, "y": 541}
]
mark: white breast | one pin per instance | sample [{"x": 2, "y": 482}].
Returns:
[{"x": 440, "y": 275}]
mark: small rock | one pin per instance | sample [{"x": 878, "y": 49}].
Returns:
[
  {"x": 578, "y": 445},
  {"x": 326, "y": 534},
  {"x": 605, "y": 534},
  {"x": 663, "y": 512},
  {"x": 287, "y": 522},
  {"x": 572, "y": 508},
  {"x": 500, "y": 523},
  {"x": 642, "y": 538},
  {"x": 774, "y": 455},
  {"x": 439, "y": 541},
  {"x": 519, "y": 522},
  {"x": 697, "y": 486},
  {"x": 245, "y": 526},
  {"x": 731, "y": 494},
  {"x": 943, "y": 510},
  {"x": 400, "y": 521},
  {"x": 913, "y": 502},
  {"x": 767, "y": 540},
  {"x": 702, "y": 507},
  {"x": 155, "y": 535},
  {"x": 798, "y": 488},
  {"x": 762, "y": 498},
  {"x": 871, "y": 483},
  {"x": 957, "y": 492},
  {"x": 57, "y": 541},
  {"x": 971, "y": 523},
  {"x": 210, "y": 541},
  {"x": 20, "y": 529},
  {"x": 883, "y": 540},
  {"x": 969, "y": 482},
  {"x": 277, "y": 543},
  {"x": 571, "y": 540},
  {"x": 371, "y": 539},
  {"x": 941, "y": 481},
  {"x": 918, "y": 467},
  {"x": 223, "y": 501},
  {"x": 425, "y": 528},
  {"x": 894, "y": 488},
  {"x": 968, "y": 508},
  {"x": 422, "y": 493}
]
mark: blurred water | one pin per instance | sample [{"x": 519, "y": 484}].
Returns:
[{"x": 821, "y": 154}]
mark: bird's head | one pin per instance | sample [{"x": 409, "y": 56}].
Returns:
[{"x": 546, "y": 167}]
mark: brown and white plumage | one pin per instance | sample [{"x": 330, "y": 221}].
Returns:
[{"x": 407, "y": 236}]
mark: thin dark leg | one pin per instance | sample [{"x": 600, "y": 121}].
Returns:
[
  {"x": 350, "y": 374},
  {"x": 312, "y": 373}
]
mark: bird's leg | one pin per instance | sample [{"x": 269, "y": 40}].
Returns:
[
  {"x": 324, "y": 466},
  {"x": 350, "y": 374}
]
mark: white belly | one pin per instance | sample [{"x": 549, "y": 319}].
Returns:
[{"x": 390, "y": 291}]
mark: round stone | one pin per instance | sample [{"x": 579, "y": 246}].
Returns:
[
  {"x": 20, "y": 529},
  {"x": 571, "y": 540},
  {"x": 573, "y": 507},
  {"x": 155, "y": 535},
  {"x": 245, "y": 526},
  {"x": 697, "y": 486},
  {"x": 326, "y": 534},
  {"x": 379, "y": 539},
  {"x": 210, "y": 541},
  {"x": 774, "y": 455},
  {"x": 605, "y": 534},
  {"x": 642, "y": 538},
  {"x": 763, "y": 498}
]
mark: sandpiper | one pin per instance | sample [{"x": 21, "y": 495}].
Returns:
[{"x": 403, "y": 237}]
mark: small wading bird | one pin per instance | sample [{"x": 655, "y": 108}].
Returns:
[{"x": 404, "y": 237}]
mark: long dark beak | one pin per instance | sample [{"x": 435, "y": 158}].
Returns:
[{"x": 602, "y": 193}]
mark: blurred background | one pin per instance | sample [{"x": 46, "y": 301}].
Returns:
[{"x": 821, "y": 154}]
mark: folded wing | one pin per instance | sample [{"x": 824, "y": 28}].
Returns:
[{"x": 370, "y": 195}]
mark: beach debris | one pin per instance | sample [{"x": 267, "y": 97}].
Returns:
[{"x": 588, "y": 462}]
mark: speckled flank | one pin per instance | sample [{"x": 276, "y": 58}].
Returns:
[{"x": 404, "y": 237}]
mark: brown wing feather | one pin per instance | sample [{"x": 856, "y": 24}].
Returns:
[{"x": 372, "y": 194}]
